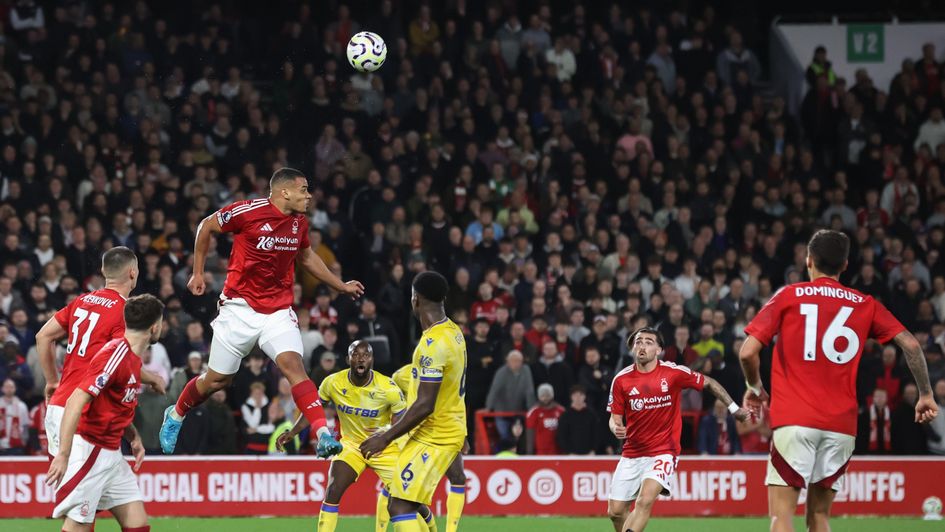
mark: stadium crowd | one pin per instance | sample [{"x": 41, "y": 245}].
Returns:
[{"x": 576, "y": 171}]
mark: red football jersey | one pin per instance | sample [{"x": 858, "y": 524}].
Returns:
[
  {"x": 650, "y": 406},
  {"x": 91, "y": 320},
  {"x": 265, "y": 245},
  {"x": 113, "y": 378},
  {"x": 822, "y": 327},
  {"x": 544, "y": 421}
]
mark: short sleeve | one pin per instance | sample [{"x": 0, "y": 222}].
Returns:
[
  {"x": 432, "y": 360},
  {"x": 232, "y": 217},
  {"x": 62, "y": 317},
  {"x": 885, "y": 326},
  {"x": 687, "y": 378},
  {"x": 765, "y": 324},
  {"x": 103, "y": 368},
  {"x": 398, "y": 403},
  {"x": 324, "y": 391},
  {"x": 615, "y": 401}
]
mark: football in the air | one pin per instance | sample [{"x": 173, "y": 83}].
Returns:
[{"x": 366, "y": 51}]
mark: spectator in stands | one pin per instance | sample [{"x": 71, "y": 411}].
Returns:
[
  {"x": 890, "y": 380},
  {"x": 820, "y": 66},
  {"x": 717, "y": 432},
  {"x": 327, "y": 364},
  {"x": 149, "y": 415},
  {"x": 255, "y": 413},
  {"x": 936, "y": 432},
  {"x": 707, "y": 342},
  {"x": 550, "y": 368},
  {"x": 14, "y": 421},
  {"x": 579, "y": 426},
  {"x": 13, "y": 366},
  {"x": 512, "y": 390},
  {"x": 932, "y": 131},
  {"x": 379, "y": 331},
  {"x": 481, "y": 364},
  {"x": 680, "y": 352},
  {"x": 541, "y": 423},
  {"x": 875, "y": 425},
  {"x": 516, "y": 342},
  {"x": 256, "y": 369},
  {"x": 736, "y": 57},
  {"x": 222, "y": 426},
  {"x": 596, "y": 379},
  {"x": 604, "y": 340},
  {"x": 908, "y": 437}
]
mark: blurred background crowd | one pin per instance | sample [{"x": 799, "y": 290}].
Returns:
[{"x": 575, "y": 169}]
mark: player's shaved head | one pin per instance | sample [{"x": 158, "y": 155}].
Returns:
[
  {"x": 828, "y": 251},
  {"x": 283, "y": 177},
  {"x": 117, "y": 260},
  {"x": 360, "y": 344}
]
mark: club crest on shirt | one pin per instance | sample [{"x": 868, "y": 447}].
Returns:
[
  {"x": 664, "y": 386},
  {"x": 101, "y": 380},
  {"x": 295, "y": 226},
  {"x": 429, "y": 341},
  {"x": 84, "y": 509},
  {"x": 344, "y": 391},
  {"x": 371, "y": 394}
]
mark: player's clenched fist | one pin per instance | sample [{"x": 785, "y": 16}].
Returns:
[{"x": 197, "y": 285}]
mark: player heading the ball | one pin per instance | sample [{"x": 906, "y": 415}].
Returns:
[{"x": 270, "y": 236}]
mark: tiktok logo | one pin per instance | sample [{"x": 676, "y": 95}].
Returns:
[{"x": 504, "y": 486}]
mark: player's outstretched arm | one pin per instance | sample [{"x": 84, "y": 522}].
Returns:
[
  {"x": 415, "y": 414},
  {"x": 925, "y": 409},
  {"x": 208, "y": 227},
  {"x": 314, "y": 265},
  {"x": 46, "y": 340},
  {"x": 70, "y": 422},
  {"x": 721, "y": 394}
]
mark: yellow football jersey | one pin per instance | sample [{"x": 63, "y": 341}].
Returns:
[
  {"x": 362, "y": 410},
  {"x": 402, "y": 378},
  {"x": 440, "y": 356}
]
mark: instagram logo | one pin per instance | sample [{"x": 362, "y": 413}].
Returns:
[{"x": 545, "y": 486}]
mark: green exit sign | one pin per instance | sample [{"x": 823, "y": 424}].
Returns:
[{"x": 865, "y": 43}]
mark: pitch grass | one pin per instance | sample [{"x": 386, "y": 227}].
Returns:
[{"x": 483, "y": 524}]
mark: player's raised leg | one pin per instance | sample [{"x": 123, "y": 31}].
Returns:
[
  {"x": 618, "y": 511},
  {"x": 131, "y": 517},
  {"x": 232, "y": 340},
  {"x": 643, "y": 507},
  {"x": 340, "y": 477},
  {"x": 456, "y": 498},
  {"x": 305, "y": 394}
]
